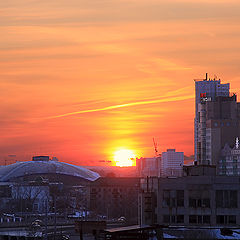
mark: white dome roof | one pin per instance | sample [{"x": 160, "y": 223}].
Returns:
[{"x": 20, "y": 169}]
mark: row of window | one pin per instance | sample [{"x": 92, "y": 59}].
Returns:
[
  {"x": 229, "y": 173},
  {"x": 229, "y": 164},
  {"x": 108, "y": 189},
  {"x": 95, "y": 195},
  {"x": 195, "y": 203},
  {"x": 226, "y": 199},
  {"x": 173, "y": 198},
  {"x": 227, "y": 158},
  {"x": 222, "y": 124},
  {"x": 223, "y": 199},
  {"x": 199, "y": 219},
  {"x": 226, "y": 219}
]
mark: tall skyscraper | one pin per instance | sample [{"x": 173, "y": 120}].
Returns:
[
  {"x": 205, "y": 90},
  {"x": 218, "y": 125}
]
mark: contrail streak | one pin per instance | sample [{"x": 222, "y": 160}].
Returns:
[{"x": 171, "y": 99}]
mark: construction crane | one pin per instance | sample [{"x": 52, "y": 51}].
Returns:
[{"x": 155, "y": 147}]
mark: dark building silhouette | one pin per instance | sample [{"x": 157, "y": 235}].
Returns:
[
  {"x": 115, "y": 197},
  {"x": 218, "y": 125},
  {"x": 207, "y": 89}
]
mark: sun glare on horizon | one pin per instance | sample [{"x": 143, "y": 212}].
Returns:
[{"x": 124, "y": 158}]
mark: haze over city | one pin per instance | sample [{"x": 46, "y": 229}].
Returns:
[{"x": 81, "y": 80}]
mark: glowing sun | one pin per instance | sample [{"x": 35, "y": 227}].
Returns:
[{"x": 124, "y": 158}]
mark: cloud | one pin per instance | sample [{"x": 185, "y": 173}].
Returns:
[
  {"x": 169, "y": 65},
  {"x": 151, "y": 101},
  {"x": 71, "y": 12}
]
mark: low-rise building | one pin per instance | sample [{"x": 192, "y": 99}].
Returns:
[
  {"x": 169, "y": 163},
  {"x": 24, "y": 197},
  {"x": 207, "y": 200},
  {"x": 148, "y": 167}
]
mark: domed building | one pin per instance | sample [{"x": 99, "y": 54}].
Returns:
[{"x": 52, "y": 170}]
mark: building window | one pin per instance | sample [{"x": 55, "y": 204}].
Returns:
[
  {"x": 180, "y": 218},
  {"x": 206, "y": 219},
  {"x": 173, "y": 202},
  {"x": 232, "y": 219},
  {"x": 173, "y": 198},
  {"x": 35, "y": 207},
  {"x": 199, "y": 219},
  {"x": 226, "y": 198},
  {"x": 192, "y": 202},
  {"x": 173, "y": 219},
  {"x": 180, "y": 198},
  {"x": 226, "y": 219},
  {"x": 166, "y": 198},
  {"x": 166, "y": 218},
  {"x": 206, "y": 203},
  {"x": 193, "y": 219},
  {"x": 199, "y": 203}
]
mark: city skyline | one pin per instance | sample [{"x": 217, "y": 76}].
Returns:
[{"x": 81, "y": 80}]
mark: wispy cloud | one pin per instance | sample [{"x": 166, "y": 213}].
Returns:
[
  {"x": 169, "y": 65},
  {"x": 160, "y": 100}
]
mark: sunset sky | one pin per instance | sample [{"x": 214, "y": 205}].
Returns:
[{"x": 82, "y": 79}]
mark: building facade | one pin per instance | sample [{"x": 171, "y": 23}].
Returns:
[
  {"x": 171, "y": 163},
  {"x": 28, "y": 197},
  {"x": 191, "y": 201},
  {"x": 148, "y": 167},
  {"x": 113, "y": 197},
  {"x": 229, "y": 163}
]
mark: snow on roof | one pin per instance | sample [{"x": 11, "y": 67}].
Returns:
[
  {"x": 19, "y": 169},
  {"x": 218, "y": 235},
  {"x": 165, "y": 235}
]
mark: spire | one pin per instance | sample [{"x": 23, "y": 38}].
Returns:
[{"x": 237, "y": 143}]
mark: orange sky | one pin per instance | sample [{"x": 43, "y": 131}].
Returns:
[{"x": 124, "y": 67}]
